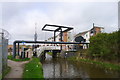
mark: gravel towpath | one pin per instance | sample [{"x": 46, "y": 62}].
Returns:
[{"x": 16, "y": 69}]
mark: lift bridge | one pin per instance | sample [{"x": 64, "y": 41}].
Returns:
[
  {"x": 45, "y": 49},
  {"x": 40, "y": 49}
]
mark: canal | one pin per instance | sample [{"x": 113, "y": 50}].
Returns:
[{"x": 62, "y": 68}]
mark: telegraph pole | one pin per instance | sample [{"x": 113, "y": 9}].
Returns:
[
  {"x": 35, "y": 35},
  {"x": 35, "y": 39}
]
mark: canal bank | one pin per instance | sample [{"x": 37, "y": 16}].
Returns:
[
  {"x": 81, "y": 56},
  {"x": 63, "y": 68},
  {"x": 106, "y": 65}
]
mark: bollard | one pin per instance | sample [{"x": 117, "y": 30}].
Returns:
[
  {"x": 27, "y": 54},
  {"x": 23, "y": 54}
]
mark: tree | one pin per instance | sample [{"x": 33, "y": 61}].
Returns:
[{"x": 105, "y": 46}]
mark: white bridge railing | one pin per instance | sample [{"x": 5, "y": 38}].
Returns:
[{"x": 42, "y": 48}]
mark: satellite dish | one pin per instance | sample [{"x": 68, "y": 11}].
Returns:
[
  {"x": 5, "y": 33},
  {"x": 80, "y": 39}
]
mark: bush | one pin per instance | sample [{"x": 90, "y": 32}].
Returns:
[{"x": 105, "y": 46}]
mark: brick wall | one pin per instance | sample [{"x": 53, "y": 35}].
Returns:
[
  {"x": 65, "y": 36},
  {"x": 97, "y": 30}
]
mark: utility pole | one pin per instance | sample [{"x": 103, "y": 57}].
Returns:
[
  {"x": 35, "y": 35},
  {"x": 35, "y": 39}
]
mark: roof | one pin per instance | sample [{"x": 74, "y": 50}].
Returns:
[
  {"x": 98, "y": 27},
  {"x": 81, "y": 33},
  {"x": 10, "y": 46}
]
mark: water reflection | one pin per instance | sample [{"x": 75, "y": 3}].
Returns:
[{"x": 61, "y": 68}]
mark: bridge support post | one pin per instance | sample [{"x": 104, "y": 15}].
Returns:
[
  {"x": 54, "y": 54},
  {"x": 44, "y": 55},
  {"x": 61, "y": 34},
  {"x": 18, "y": 49},
  {"x": 54, "y": 36},
  {"x": 14, "y": 49},
  {"x": 24, "y": 54}
]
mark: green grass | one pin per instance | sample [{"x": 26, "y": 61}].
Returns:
[
  {"x": 6, "y": 71},
  {"x": 33, "y": 69},
  {"x": 11, "y": 58},
  {"x": 0, "y": 76},
  {"x": 99, "y": 63},
  {"x": 50, "y": 53}
]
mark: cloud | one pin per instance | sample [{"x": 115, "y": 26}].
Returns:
[
  {"x": 20, "y": 18},
  {"x": 0, "y": 15},
  {"x": 82, "y": 15},
  {"x": 22, "y": 26},
  {"x": 59, "y": 1}
]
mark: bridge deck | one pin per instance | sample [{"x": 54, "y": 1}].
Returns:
[
  {"x": 41, "y": 42},
  {"x": 46, "y": 42}
]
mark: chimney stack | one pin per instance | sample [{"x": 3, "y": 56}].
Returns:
[{"x": 93, "y": 25}]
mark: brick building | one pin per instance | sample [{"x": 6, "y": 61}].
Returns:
[{"x": 87, "y": 34}]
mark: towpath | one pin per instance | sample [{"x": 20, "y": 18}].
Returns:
[{"x": 16, "y": 69}]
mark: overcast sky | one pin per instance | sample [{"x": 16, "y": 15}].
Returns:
[{"x": 19, "y": 18}]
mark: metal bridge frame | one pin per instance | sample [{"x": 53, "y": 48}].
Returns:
[
  {"x": 59, "y": 29},
  {"x": 41, "y": 42}
]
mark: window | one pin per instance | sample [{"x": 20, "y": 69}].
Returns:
[{"x": 68, "y": 37}]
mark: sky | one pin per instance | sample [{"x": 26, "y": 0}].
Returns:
[{"x": 19, "y": 18}]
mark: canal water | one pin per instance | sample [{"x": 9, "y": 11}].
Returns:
[{"x": 61, "y": 68}]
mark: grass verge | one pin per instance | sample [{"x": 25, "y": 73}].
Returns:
[
  {"x": 50, "y": 53},
  {"x": 6, "y": 71},
  {"x": 1, "y": 76},
  {"x": 33, "y": 69},
  {"x": 11, "y": 58},
  {"x": 99, "y": 63}
]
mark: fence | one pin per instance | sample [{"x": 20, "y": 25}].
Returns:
[
  {"x": 0, "y": 56},
  {"x": 3, "y": 53}
]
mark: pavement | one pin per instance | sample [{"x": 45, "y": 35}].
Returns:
[{"x": 16, "y": 69}]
